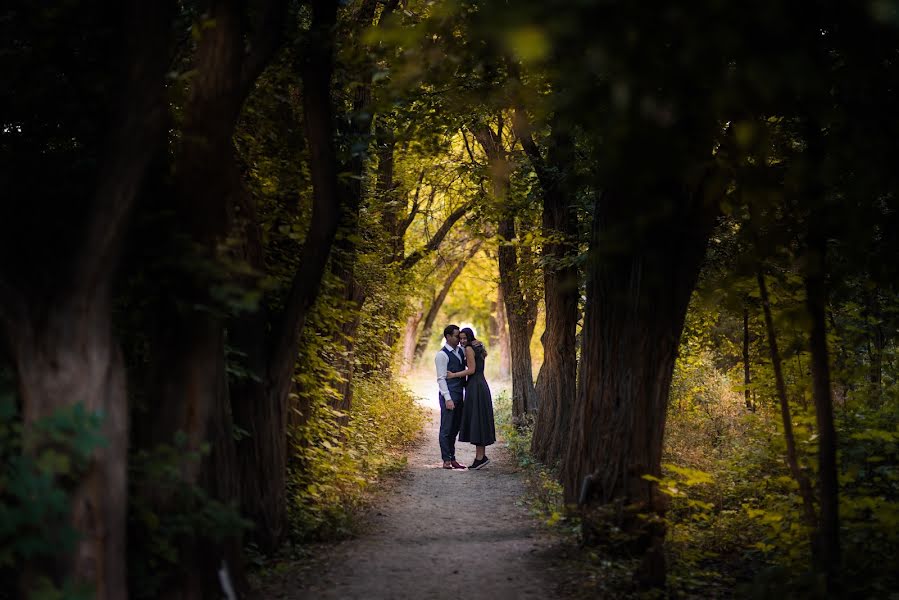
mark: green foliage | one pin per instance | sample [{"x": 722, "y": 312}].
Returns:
[
  {"x": 169, "y": 519},
  {"x": 41, "y": 468},
  {"x": 735, "y": 517},
  {"x": 338, "y": 458}
]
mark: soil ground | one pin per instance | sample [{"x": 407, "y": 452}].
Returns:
[{"x": 435, "y": 534}]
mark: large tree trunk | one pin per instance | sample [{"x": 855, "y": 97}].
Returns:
[
  {"x": 189, "y": 349},
  {"x": 190, "y": 362},
  {"x": 343, "y": 262},
  {"x": 641, "y": 276},
  {"x": 66, "y": 356},
  {"x": 521, "y": 308},
  {"x": 556, "y": 382},
  {"x": 63, "y": 347}
]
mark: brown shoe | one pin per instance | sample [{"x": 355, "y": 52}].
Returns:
[{"x": 456, "y": 465}]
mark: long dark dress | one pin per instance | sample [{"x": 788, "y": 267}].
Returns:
[{"x": 477, "y": 412}]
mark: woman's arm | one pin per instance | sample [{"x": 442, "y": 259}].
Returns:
[{"x": 469, "y": 358}]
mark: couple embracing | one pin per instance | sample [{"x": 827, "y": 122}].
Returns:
[{"x": 466, "y": 408}]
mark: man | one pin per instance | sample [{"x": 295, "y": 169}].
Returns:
[{"x": 450, "y": 358}]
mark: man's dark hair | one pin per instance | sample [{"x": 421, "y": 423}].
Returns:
[{"x": 450, "y": 330}]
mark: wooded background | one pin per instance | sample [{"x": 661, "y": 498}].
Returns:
[{"x": 228, "y": 226}]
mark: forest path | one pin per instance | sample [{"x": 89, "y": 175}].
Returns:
[{"x": 463, "y": 535}]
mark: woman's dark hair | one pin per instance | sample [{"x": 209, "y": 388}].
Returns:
[{"x": 469, "y": 334}]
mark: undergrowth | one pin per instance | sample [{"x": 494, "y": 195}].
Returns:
[
  {"x": 338, "y": 459},
  {"x": 734, "y": 522}
]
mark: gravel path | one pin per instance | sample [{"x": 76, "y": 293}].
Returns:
[{"x": 437, "y": 534}]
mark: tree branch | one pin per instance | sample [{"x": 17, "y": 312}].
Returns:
[
  {"x": 411, "y": 260},
  {"x": 404, "y": 226},
  {"x": 327, "y": 194},
  {"x": 474, "y": 161},
  {"x": 522, "y": 129}
]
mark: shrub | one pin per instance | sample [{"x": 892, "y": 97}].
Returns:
[{"x": 338, "y": 457}]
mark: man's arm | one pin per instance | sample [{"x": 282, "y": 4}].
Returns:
[{"x": 441, "y": 361}]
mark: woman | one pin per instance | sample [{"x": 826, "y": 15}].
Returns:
[{"x": 477, "y": 414}]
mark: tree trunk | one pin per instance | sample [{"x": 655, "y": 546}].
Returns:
[
  {"x": 502, "y": 332},
  {"x": 746, "y": 379},
  {"x": 556, "y": 383},
  {"x": 64, "y": 357},
  {"x": 386, "y": 193},
  {"x": 343, "y": 262},
  {"x": 262, "y": 410},
  {"x": 410, "y": 336},
  {"x": 63, "y": 347},
  {"x": 805, "y": 488},
  {"x": 522, "y": 316},
  {"x": 828, "y": 483},
  {"x": 521, "y": 309},
  {"x": 641, "y": 276},
  {"x": 190, "y": 353}
]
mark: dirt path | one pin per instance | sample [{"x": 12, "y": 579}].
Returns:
[{"x": 438, "y": 534}]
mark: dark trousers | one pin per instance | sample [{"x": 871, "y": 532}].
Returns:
[{"x": 450, "y": 422}]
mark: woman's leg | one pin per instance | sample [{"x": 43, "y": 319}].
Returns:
[{"x": 479, "y": 452}]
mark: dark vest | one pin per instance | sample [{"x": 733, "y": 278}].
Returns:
[{"x": 457, "y": 384}]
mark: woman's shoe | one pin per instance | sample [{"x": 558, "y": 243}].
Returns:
[{"x": 479, "y": 463}]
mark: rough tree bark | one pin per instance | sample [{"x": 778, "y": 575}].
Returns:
[
  {"x": 193, "y": 398},
  {"x": 521, "y": 308},
  {"x": 61, "y": 341},
  {"x": 556, "y": 383},
  {"x": 644, "y": 266},
  {"x": 521, "y": 312}
]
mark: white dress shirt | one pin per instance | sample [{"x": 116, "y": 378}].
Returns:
[{"x": 442, "y": 361}]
